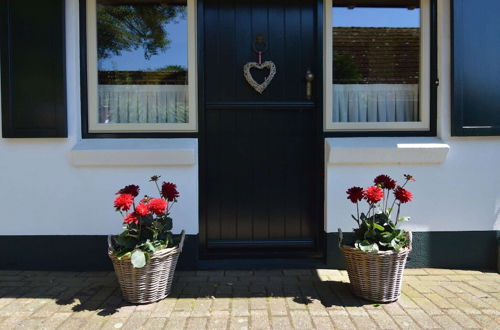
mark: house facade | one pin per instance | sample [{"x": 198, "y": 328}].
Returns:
[{"x": 262, "y": 112}]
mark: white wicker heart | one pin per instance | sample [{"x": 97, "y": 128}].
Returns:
[{"x": 254, "y": 65}]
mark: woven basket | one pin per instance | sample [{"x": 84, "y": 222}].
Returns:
[
  {"x": 151, "y": 282},
  {"x": 375, "y": 276}
]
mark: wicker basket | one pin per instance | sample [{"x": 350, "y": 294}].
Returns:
[
  {"x": 375, "y": 276},
  {"x": 150, "y": 283}
]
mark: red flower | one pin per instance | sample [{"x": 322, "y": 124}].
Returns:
[
  {"x": 403, "y": 195},
  {"x": 169, "y": 191},
  {"x": 142, "y": 209},
  {"x": 385, "y": 182},
  {"x": 374, "y": 194},
  {"x": 130, "y": 189},
  {"x": 124, "y": 202},
  {"x": 131, "y": 218},
  {"x": 355, "y": 194},
  {"x": 157, "y": 206}
]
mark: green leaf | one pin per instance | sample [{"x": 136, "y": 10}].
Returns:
[
  {"x": 366, "y": 246},
  {"x": 404, "y": 219},
  {"x": 148, "y": 245},
  {"x": 377, "y": 226},
  {"x": 138, "y": 259}
]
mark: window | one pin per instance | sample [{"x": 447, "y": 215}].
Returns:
[
  {"x": 378, "y": 66},
  {"x": 140, "y": 66}
]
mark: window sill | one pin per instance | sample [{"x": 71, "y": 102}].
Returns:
[
  {"x": 134, "y": 152},
  {"x": 385, "y": 150}
]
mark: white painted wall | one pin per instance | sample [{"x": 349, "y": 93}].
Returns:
[
  {"x": 42, "y": 193},
  {"x": 460, "y": 194}
]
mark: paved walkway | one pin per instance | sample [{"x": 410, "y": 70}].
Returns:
[{"x": 288, "y": 299}]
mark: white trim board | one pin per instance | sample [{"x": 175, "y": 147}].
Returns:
[
  {"x": 134, "y": 152},
  {"x": 374, "y": 150}
]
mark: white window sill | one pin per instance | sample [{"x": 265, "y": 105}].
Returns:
[
  {"x": 134, "y": 152},
  {"x": 385, "y": 150}
]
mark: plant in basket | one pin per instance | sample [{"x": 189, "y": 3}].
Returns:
[
  {"x": 145, "y": 254},
  {"x": 378, "y": 227},
  {"x": 376, "y": 261}
]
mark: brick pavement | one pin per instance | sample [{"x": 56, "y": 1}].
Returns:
[{"x": 274, "y": 299}]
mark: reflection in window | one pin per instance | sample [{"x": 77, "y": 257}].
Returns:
[
  {"x": 142, "y": 49},
  {"x": 376, "y": 61}
]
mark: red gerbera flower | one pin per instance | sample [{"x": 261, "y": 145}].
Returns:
[
  {"x": 130, "y": 189},
  {"x": 157, "y": 206},
  {"x": 123, "y": 202},
  {"x": 385, "y": 182},
  {"x": 131, "y": 218},
  {"x": 169, "y": 191},
  {"x": 355, "y": 194},
  {"x": 403, "y": 195},
  {"x": 374, "y": 194},
  {"x": 142, "y": 209}
]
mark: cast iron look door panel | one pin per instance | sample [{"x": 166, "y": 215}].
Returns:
[{"x": 260, "y": 155}]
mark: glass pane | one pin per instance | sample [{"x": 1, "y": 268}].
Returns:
[
  {"x": 376, "y": 61},
  {"x": 142, "y": 49}
]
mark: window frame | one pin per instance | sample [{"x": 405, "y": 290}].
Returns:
[
  {"x": 89, "y": 85},
  {"x": 428, "y": 84}
]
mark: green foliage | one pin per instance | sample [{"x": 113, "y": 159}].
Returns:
[
  {"x": 345, "y": 70},
  {"x": 129, "y": 27},
  {"x": 379, "y": 233}
]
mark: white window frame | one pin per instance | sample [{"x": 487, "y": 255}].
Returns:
[
  {"x": 92, "y": 112},
  {"x": 424, "y": 81}
]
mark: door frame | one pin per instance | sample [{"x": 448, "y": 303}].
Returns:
[{"x": 320, "y": 234}]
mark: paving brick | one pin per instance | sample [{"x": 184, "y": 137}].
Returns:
[
  {"x": 422, "y": 318},
  {"x": 259, "y": 319},
  {"x": 439, "y": 301},
  {"x": 197, "y": 323},
  {"x": 428, "y": 307},
  {"x": 53, "y": 321},
  {"x": 486, "y": 322},
  {"x": 342, "y": 322},
  {"x": 239, "y": 323},
  {"x": 176, "y": 322},
  {"x": 464, "y": 306},
  {"x": 202, "y": 307},
  {"x": 462, "y": 319},
  {"x": 301, "y": 319},
  {"x": 281, "y": 323},
  {"x": 114, "y": 323},
  {"x": 446, "y": 322},
  {"x": 277, "y": 306},
  {"x": 383, "y": 320},
  {"x": 218, "y": 323},
  {"x": 405, "y": 322},
  {"x": 240, "y": 307}
]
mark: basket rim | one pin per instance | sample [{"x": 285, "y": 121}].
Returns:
[
  {"x": 388, "y": 252},
  {"x": 157, "y": 254}
]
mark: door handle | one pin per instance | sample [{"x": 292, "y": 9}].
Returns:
[{"x": 309, "y": 79}]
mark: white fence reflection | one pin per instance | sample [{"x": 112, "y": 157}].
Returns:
[
  {"x": 375, "y": 102},
  {"x": 143, "y": 104}
]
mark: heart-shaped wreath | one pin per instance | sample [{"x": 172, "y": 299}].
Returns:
[{"x": 254, "y": 65}]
